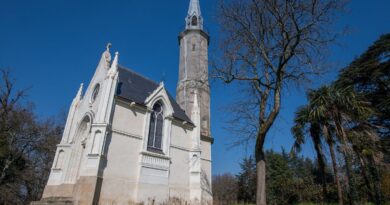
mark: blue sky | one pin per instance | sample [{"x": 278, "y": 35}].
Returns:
[{"x": 53, "y": 46}]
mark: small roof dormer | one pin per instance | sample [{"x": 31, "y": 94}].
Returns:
[{"x": 194, "y": 19}]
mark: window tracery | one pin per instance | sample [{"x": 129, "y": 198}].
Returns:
[{"x": 156, "y": 128}]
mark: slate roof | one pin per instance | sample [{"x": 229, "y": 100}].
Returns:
[{"x": 136, "y": 88}]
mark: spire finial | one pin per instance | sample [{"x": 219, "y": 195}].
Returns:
[
  {"x": 194, "y": 8},
  {"x": 107, "y": 55},
  {"x": 108, "y": 46},
  {"x": 114, "y": 66},
  {"x": 194, "y": 18},
  {"x": 80, "y": 92}
]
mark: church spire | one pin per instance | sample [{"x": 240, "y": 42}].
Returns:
[{"x": 194, "y": 18}]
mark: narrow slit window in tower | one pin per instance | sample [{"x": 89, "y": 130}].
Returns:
[{"x": 194, "y": 21}]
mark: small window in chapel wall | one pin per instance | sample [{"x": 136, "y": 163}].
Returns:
[{"x": 156, "y": 129}]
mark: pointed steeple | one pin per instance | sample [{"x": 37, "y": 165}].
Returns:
[
  {"x": 80, "y": 92},
  {"x": 79, "y": 96},
  {"x": 114, "y": 66},
  {"x": 194, "y": 8},
  {"x": 194, "y": 19}
]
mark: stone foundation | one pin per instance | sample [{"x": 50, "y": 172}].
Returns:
[
  {"x": 54, "y": 201},
  {"x": 87, "y": 190},
  {"x": 58, "y": 191}
]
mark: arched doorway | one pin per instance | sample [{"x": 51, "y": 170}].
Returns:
[{"x": 78, "y": 149}]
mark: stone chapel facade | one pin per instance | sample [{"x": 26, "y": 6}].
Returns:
[{"x": 128, "y": 141}]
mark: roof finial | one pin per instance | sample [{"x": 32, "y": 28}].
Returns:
[
  {"x": 80, "y": 92},
  {"x": 107, "y": 55},
  {"x": 108, "y": 46}
]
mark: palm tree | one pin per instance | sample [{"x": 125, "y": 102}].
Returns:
[
  {"x": 328, "y": 134},
  {"x": 369, "y": 74},
  {"x": 329, "y": 111},
  {"x": 365, "y": 140},
  {"x": 304, "y": 122},
  {"x": 305, "y": 117},
  {"x": 342, "y": 106}
]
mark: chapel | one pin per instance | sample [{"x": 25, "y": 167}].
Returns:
[{"x": 127, "y": 140}]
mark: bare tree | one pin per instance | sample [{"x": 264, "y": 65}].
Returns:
[
  {"x": 27, "y": 146},
  {"x": 13, "y": 117},
  {"x": 267, "y": 45}
]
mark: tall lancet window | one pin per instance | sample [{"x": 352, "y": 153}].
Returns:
[{"x": 156, "y": 128}]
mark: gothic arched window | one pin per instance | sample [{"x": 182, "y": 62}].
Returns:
[
  {"x": 156, "y": 128},
  {"x": 95, "y": 93},
  {"x": 194, "y": 21}
]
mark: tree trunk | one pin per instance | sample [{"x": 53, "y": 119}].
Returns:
[
  {"x": 314, "y": 132},
  {"x": 343, "y": 136},
  {"x": 348, "y": 181},
  {"x": 261, "y": 177},
  {"x": 265, "y": 124},
  {"x": 377, "y": 182},
  {"x": 367, "y": 181},
  {"x": 260, "y": 170},
  {"x": 336, "y": 174}
]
